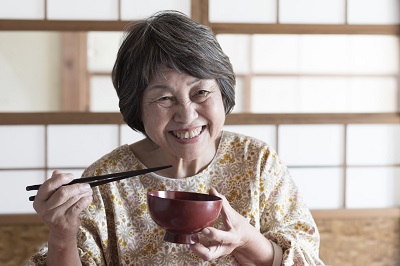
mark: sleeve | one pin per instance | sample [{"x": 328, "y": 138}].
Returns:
[
  {"x": 285, "y": 218},
  {"x": 40, "y": 257},
  {"x": 89, "y": 234}
]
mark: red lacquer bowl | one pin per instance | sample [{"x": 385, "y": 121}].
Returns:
[{"x": 183, "y": 214}]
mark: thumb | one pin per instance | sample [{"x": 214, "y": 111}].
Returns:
[
  {"x": 214, "y": 192},
  {"x": 226, "y": 210}
]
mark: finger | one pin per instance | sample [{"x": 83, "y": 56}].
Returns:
[
  {"x": 214, "y": 192},
  {"x": 218, "y": 236},
  {"x": 209, "y": 253},
  {"x": 202, "y": 251},
  {"x": 67, "y": 212},
  {"x": 66, "y": 196},
  {"x": 65, "y": 223},
  {"x": 51, "y": 185},
  {"x": 76, "y": 209},
  {"x": 226, "y": 210},
  {"x": 225, "y": 202},
  {"x": 203, "y": 240}
]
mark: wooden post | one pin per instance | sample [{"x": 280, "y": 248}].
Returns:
[{"x": 75, "y": 91}]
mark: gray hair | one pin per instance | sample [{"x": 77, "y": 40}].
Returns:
[{"x": 167, "y": 39}]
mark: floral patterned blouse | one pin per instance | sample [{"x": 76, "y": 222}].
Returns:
[{"x": 118, "y": 230}]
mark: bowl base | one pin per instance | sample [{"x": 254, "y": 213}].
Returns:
[{"x": 181, "y": 238}]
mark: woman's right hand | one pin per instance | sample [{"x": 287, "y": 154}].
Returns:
[{"x": 60, "y": 206}]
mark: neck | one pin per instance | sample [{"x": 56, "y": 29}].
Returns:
[{"x": 152, "y": 155}]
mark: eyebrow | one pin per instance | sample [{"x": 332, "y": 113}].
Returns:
[{"x": 161, "y": 86}]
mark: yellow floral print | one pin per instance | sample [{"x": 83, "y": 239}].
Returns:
[{"x": 118, "y": 230}]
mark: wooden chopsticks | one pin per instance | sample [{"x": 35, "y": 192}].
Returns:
[{"x": 95, "y": 181}]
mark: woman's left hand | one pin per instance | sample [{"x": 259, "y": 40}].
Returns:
[{"x": 240, "y": 238}]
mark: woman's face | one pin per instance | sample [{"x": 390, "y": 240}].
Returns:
[{"x": 183, "y": 115}]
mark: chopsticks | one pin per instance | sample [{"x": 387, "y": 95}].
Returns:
[{"x": 95, "y": 181}]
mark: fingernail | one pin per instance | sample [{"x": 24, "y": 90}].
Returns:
[{"x": 206, "y": 231}]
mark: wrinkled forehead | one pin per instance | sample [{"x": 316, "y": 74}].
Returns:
[{"x": 167, "y": 75}]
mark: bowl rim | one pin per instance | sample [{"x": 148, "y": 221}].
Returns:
[{"x": 214, "y": 198}]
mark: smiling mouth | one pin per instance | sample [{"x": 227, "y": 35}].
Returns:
[{"x": 187, "y": 134}]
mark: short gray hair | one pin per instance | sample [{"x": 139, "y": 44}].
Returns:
[{"x": 173, "y": 40}]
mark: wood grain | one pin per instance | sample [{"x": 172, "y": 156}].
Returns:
[{"x": 348, "y": 237}]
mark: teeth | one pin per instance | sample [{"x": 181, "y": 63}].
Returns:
[{"x": 187, "y": 134}]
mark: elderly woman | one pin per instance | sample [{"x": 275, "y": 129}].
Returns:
[{"x": 175, "y": 85}]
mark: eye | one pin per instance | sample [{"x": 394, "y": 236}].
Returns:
[
  {"x": 164, "y": 99},
  {"x": 201, "y": 95},
  {"x": 203, "y": 92}
]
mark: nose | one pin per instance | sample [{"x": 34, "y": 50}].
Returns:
[{"x": 185, "y": 113}]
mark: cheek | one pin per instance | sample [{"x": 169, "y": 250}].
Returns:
[
  {"x": 216, "y": 112},
  {"x": 154, "y": 118},
  {"x": 148, "y": 117},
  {"x": 218, "y": 106}
]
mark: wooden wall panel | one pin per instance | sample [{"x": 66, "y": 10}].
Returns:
[
  {"x": 372, "y": 241},
  {"x": 19, "y": 242}
]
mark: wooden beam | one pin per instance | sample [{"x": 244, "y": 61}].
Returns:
[
  {"x": 200, "y": 13},
  {"x": 232, "y": 119},
  {"x": 240, "y": 28},
  {"x": 60, "y": 118},
  {"x": 356, "y": 213},
  {"x": 251, "y": 118},
  {"x": 62, "y": 25}
]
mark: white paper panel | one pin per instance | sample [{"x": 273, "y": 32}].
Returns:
[
  {"x": 373, "y": 187},
  {"x": 129, "y": 136},
  {"x": 274, "y": 95},
  {"x": 373, "y": 95},
  {"x": 266, "y": 133},
  {"x": 103, "y": 97},
  {"x": 30, "y": 72},
  {"x": 324, "y": 53},
  {"x": 373, "y": 144},
  {"x": 237, "y": 48},
  {"x": 373, "y": 11},
  {"x": 13, "y": 195},
  {"x": 321, "y": 188},
  {"x": 22, "y": 9},
  {"x": 250, "y": 11},
  {"x": 323, "y": 95},
  {"x": 337, "y": 54},
  {"x": 79, "y": 145},
  {"x": 275, "y": 53},
  {"x": 311, "y": 145},
  {"x": 22, "y": 146},
  {"x": 377, "y": 54},
  {"x": 82, "y": 9},
  {"x": 312, "y": 11},
  {"x": 137, "y": 9},
  {"x": 102, "y": 49}
]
